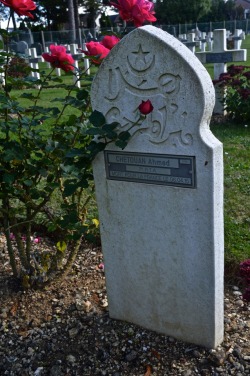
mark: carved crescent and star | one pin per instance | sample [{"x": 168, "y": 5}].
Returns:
[{"x": 140, "y": 60}]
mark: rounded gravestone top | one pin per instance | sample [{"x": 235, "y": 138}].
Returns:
[{"x": 150, "y": 64}]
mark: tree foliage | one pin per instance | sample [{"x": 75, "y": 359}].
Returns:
[
  {"x": 190, "y": 11},
  {"x": 177, "y": 11},
  {"x": 55, "y": 13}
]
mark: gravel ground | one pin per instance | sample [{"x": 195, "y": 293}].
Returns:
[{"x": 66, "y": 330}]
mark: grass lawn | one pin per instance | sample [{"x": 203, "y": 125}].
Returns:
[
  {"x": 236, "y": 143},
  {"x": 54, "y": 90}
]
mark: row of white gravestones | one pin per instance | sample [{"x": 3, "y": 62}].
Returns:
[
  {"x": 73, "y": 50},
  {"x": 160, "y": 200},
  {"x": 237, "y": 38},
  {"x": 205, "y": 40},
  {"x": 220, "y": 56}
]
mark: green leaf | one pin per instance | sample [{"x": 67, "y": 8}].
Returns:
[
  {"x": 108, "y": 127},
  {"x": 75, "y": 153},
  {"x": 97, "y": 119},
  {"x": 82, "y": 94},
  {"x": 84, "y": 183},
  {"x": 13, "y": 151},
  {"x": 96, "y": 131},
  {"x": 70, "y": 220},
  {"x": 124, "y": 136},
  {"x": 95, "y": 147},
  {"x": 121, "y": 144},
  {"x": 72, "y": 121},
  {"x": 8, "y": 178},
  {"x": 28, "y": 182},
  {"x": 28, "y": 96},
  {"x": 69, "y": 189},
  {"x": 56, "y": 79},
  {"x": 61, "y": 246}
]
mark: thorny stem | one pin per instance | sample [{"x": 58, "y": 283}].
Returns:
[
  {"x": 71, "y": 259},
  {"x": 79, "y": 77},
  {"x": 28, "y": 239},
  {"x": 7, "y": 235},
  {"x": 40, "y": 90},
  {"x": 20, "y": 247}
]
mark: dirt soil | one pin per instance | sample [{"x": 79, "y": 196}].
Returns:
[{"x": 66, "y": 330}]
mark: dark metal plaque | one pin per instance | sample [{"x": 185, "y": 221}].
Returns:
[
  {"x": 161, "y": 169},
  {"x": 219, "y": 57}
]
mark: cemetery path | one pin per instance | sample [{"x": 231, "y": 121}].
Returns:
[{"x": 66, "y": 331}]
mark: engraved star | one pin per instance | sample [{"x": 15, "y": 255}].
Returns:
[{"x": 140, "y": 55}]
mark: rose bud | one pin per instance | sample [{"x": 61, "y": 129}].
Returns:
[{"x": 146, "y": 107}]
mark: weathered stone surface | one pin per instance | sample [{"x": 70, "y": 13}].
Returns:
[{"x": 162, "y": 238}]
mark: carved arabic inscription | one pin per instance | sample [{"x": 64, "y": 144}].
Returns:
[{"x": 140, "y": 79}]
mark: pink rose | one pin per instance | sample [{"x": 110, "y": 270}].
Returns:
[
  {"x": 96, "y": 49},
  {"x": 137, "y": 11},
  {"x": 21, "y": 7},
  {"x": 109, "y": 41},
  {"x": 59, "y": 58}
]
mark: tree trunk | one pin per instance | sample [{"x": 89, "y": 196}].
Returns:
[
  {"x": 91, "y": 21},
  {"x": 76, "y": 14},
  {"x": 77, "y": 21},
  {"x": 13, "y": 20},
  {"x": 72, "y": 27}
]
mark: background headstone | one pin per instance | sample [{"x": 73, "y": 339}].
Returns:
[
  {"x": 22, "y": 47},
  {"x": 220, "y": 56},
  {"x": 160, "y": 200}
]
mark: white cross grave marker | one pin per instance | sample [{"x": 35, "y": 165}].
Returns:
[
  {"x": 78, "y": 56},
  {"x": 238, "y": 37},
  {"x": 209, "y": 39},
  {"x": 191, "y": 43},
  {"x": 220, "y": 56},
  {"x": 33, "y": 61}
]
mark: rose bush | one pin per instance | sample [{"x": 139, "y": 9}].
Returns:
[
  {"x": 46, "y": 155},
  {"x": 236, "y": 83}
]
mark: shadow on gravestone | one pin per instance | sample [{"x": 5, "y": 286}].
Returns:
[{"x": 160, "y": 200}]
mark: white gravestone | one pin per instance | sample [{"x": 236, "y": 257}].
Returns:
[
  {"x": 161, "y": 199},
  {"x": 33, "y": 61}
]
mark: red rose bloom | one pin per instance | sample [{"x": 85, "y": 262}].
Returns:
[
  {"x": 109, "y": 41},
  {"x": 137, "y": 11},
  {"x": 59, "y": 58},
  {"x": 21, "y": 7},
  {"x": 96, "y": 49},
  {"x": 146, "y": 107}
]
